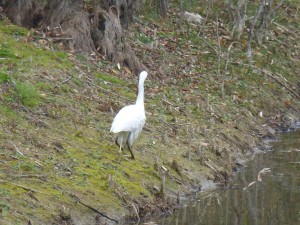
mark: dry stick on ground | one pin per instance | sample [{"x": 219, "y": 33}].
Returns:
[
  {"x": 92, "y": 208},
  {"x": 17, "y": 150},
  {"x": 66, "y": 80},
  {"x": 34, "y": 160},
  {"x": 272, "y": 76},
  {"x": 210, "y": 166},
  {"x": 18, "y": 185},
  {"x": 42, "y": 177},
  {"x": 269, "y": 74},
  {"x": 212, "y": 47},
  {"x": 284, "y": 28},
  {"x": 228, "y": 55},
  {"x": 136, "y": 213},
  {"x": 171, "y": 104}
]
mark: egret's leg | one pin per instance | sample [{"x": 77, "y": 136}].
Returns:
[
  {"x": 129, "y": 143},
  {"x": 132, "y": 156},
  {"x": 116, "y": 141},
  {"x": 120, "y": 150}
]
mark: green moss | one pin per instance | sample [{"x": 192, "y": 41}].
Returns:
[
  {"x": 28, "y": 167},
  {"x": 4, "y": 192},
  {"x": 4, "y": 76},
  {"x": 28, "y": 94},
  {"x": 5, "y": 207},
  {"x": 61, "y": 55},
  {"x": 6, "y": 51},
  {"x": 14, "y": 48},
  {"x": 44, "y": 86},
  {"x": 8, "y": 112},
  {"x": 11, "y": 29}
]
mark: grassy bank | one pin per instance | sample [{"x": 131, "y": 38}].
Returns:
[{"x": 207, "y": 109}]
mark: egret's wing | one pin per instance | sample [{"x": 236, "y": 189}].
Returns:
[{"x": 130, "y": 119}]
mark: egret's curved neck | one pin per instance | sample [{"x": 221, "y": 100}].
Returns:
[{"x": 140, "y": 97}]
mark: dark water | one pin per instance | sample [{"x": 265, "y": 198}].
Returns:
[{"x": 275, "y": 200}]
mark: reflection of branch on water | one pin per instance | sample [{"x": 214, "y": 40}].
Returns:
[
  {"x": 253, "y": 182},
  {"x": 259, "y": 178},
  {"x": 250, "y": 200},
  {"x": 205, "y": 202},
  {"x": 293, "y": 150},
  {"x": 263, "y": 171}
]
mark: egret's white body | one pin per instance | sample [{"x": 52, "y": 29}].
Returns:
[{"x": 130, "y": 120}]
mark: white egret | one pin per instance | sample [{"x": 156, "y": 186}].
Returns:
[{"x": 130, "y": 120}]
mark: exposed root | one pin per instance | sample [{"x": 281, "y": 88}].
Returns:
[{"x": 97, "y": 30}]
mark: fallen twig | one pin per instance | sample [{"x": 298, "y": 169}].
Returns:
[
  {"x": 16, "y": 148},
  {"x": 283, "y": 28},
  {"x": 175, "y": 107},
  {"x": 18, "y": 185},
  {"x": 61, "y": 38},
  {"x": 136, "y": 213},
  {"x": 212, "y": 47},
  {"x": 34, "y": 160},
  {"x": 228, "y": 55},
  {"x": 42, "y": 177},
  {"x": 210, "y": 166},
  {"x": 66, "y": 80},
  {"x": 92, "y": 208},
  {"x": 167, "y": 102},
  {"x": 272, "y": 76}
]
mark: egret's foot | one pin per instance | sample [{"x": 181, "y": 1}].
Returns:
[
  {"x": 121, "y": 157},
  {"x": 127, "y": 157},
  {"x": 132, "y": 156}
]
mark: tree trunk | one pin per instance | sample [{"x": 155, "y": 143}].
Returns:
[
  {"x": 21, "y": 12},
  {"x": 94, "y": 28},
  {"x": 162, "y": 7}
]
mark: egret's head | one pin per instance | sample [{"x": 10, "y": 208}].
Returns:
[{"x": 143, "y": 76}]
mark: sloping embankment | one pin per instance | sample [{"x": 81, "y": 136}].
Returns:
[{"x": 58, "y": 159}]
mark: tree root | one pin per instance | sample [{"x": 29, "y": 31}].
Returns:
[{"x": 96, "y": 30}]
